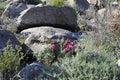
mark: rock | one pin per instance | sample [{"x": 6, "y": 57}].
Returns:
[
  {"x": 35, "y": 71},
  {"x": 49, "y": 32},
  {"x": 6, "y": 36},
  {"x": 1, "y": 76},
  {"x": 37, "y": 38},
  {"x": 70, "y": 3},
  {"x": 82, "y": 4},
  {"x": 59, "y": 17},
  {"x": 2, "y": 0},
  {"x": 1, "y": 26},
  {"x": 94, "y": 2},
  {"x": 13, "y": 10},
  {"x": 115, "y": 4},
  {"x": 101, "y": 12}
]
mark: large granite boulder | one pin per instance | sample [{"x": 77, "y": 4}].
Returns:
[
  {"x": 35, "y": 71},
  {"x": 38, "y": 38},
  {"x": 59, "y": 17},
  {"x": 7, "y": 36},
  {"x": 13, "y": 9}
]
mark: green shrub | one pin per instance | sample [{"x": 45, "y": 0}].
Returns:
[
  {"x": 56, "y": 2},
  {"x": 107, "y": 27},
  {"x": 89, "y": 66},
  {"x": 2, "y": 7},
  {"x": 118, "y": 0},
  {"x": 55, "y": 50},
  {"x": 104, "y": 28},
  {"x": 10, "y": 62}
]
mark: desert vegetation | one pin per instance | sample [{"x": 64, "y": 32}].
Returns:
[{"x": 94, "y": 56}]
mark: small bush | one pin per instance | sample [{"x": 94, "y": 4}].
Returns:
[
  {"x": 118, "y": 0},
  {"x": 57, "y": 3},
  {"x": 10, "y": 62},
  {"x": 54, "y": 51},
  {"x": 2, "y": 7},
  {"x": 103, "y": 28},
  {"x": 89, "y": 66}
]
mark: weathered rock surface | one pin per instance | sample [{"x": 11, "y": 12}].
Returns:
[
  {"x": 95, "y": 2},
  {"x": 1, "y": 0},
  {"x": 60, "y": 17},
  {"x": 1, "y": 76},
  {"x": 82, "y": 4},
  {"x": 37, "y": 37},
  {"x": 13, "y": 9},
  {"x": 6, "y": 36},
  {"x": 101, "y": 12},
  {"x": 35, "y": 71}
]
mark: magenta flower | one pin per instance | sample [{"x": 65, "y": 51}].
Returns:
[
  {"x": 66, "y": 50},
  {"x": 66, "y": 42},
  {"x": 70, "y": 46},
  {"x": 52, "y": 47}
]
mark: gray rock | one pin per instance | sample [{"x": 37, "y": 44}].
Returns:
[
  {"x": 94, "y": 2},
  {"x": 1, "y": 0},
  {"x": 13, "y": 10},
  {"x": 101, "y": 12},
  {"x": 37, "y": 38},
  {"x": 115, "y": 4},
  {"x": 6, "y": 36},
  {"x": 35, "y": 71},
  {"x": 1, "y": 26},
  {"x": 1, "y": 76},
  {"x": 49, "y": 32},
  {"x": 60, "y": 17},
  {"x": 82, "y": 4}
]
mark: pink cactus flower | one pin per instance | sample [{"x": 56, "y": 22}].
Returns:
[
  {"x": 66, "y": 42},
  {"x": 70, "y": 46},
  {"x": 66, "y": 50},
  {"x": 52, "y": 47}
]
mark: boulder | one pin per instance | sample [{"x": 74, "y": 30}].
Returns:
[
  {"x": 70, "y": 3},
  {"x": 115, "y": 4},
  {"x": 1, "y": 76},
  {"x": 1, "y": 26},
  {"x": 6, "y": 36},
  {"x": 101, "y": 12},
  {"x": 59, "y": 17},
  {"x": 38, "y": 38},
  {"x": 82, "y": 4},
  {"x": 35, "y": 71},
  {"x": 13, "y": 9},
  {"x": 94, "y": 2},
  {"x": 2, "y": 0}
]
